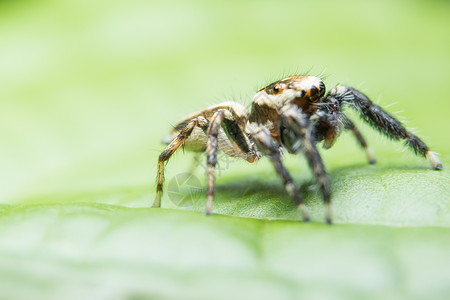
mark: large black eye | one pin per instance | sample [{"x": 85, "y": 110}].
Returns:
[{"x": 276, "y": 89}]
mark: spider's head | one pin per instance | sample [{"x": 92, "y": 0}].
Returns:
[{"x": 300, "y": 90}]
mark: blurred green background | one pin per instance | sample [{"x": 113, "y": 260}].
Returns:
[{"x": 89, "y": 88}]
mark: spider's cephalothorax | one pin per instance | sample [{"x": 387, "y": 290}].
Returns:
[{"x": 293, "y": 113}]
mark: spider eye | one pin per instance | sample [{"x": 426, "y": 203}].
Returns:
[{"x": 276, "y": 89}]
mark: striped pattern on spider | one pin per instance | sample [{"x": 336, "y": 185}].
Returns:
[{"x": 292, "y": 114}]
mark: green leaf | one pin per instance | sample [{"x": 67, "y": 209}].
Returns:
[
  {"x": 113, "y": 245},
  {"x": 110, "y": 251}
]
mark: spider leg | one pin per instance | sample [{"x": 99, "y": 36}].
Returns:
[
  {"x": 348, "y": 124},
  {"x": 298, "y": 122},
  {"x": 174, "y": 145},
  {"x": 211, "y": 156},
  {"x": 382, "y": 121},
  {"x": 269, "y": 147}
]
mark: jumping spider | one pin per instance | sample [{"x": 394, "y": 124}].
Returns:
[{"x": 293, "y": 114}]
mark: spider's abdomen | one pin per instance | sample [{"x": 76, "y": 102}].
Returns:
[{"x": 231, "y": 137}]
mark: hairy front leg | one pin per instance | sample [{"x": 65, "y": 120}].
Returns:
[{"x": 383, "y": 121}]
